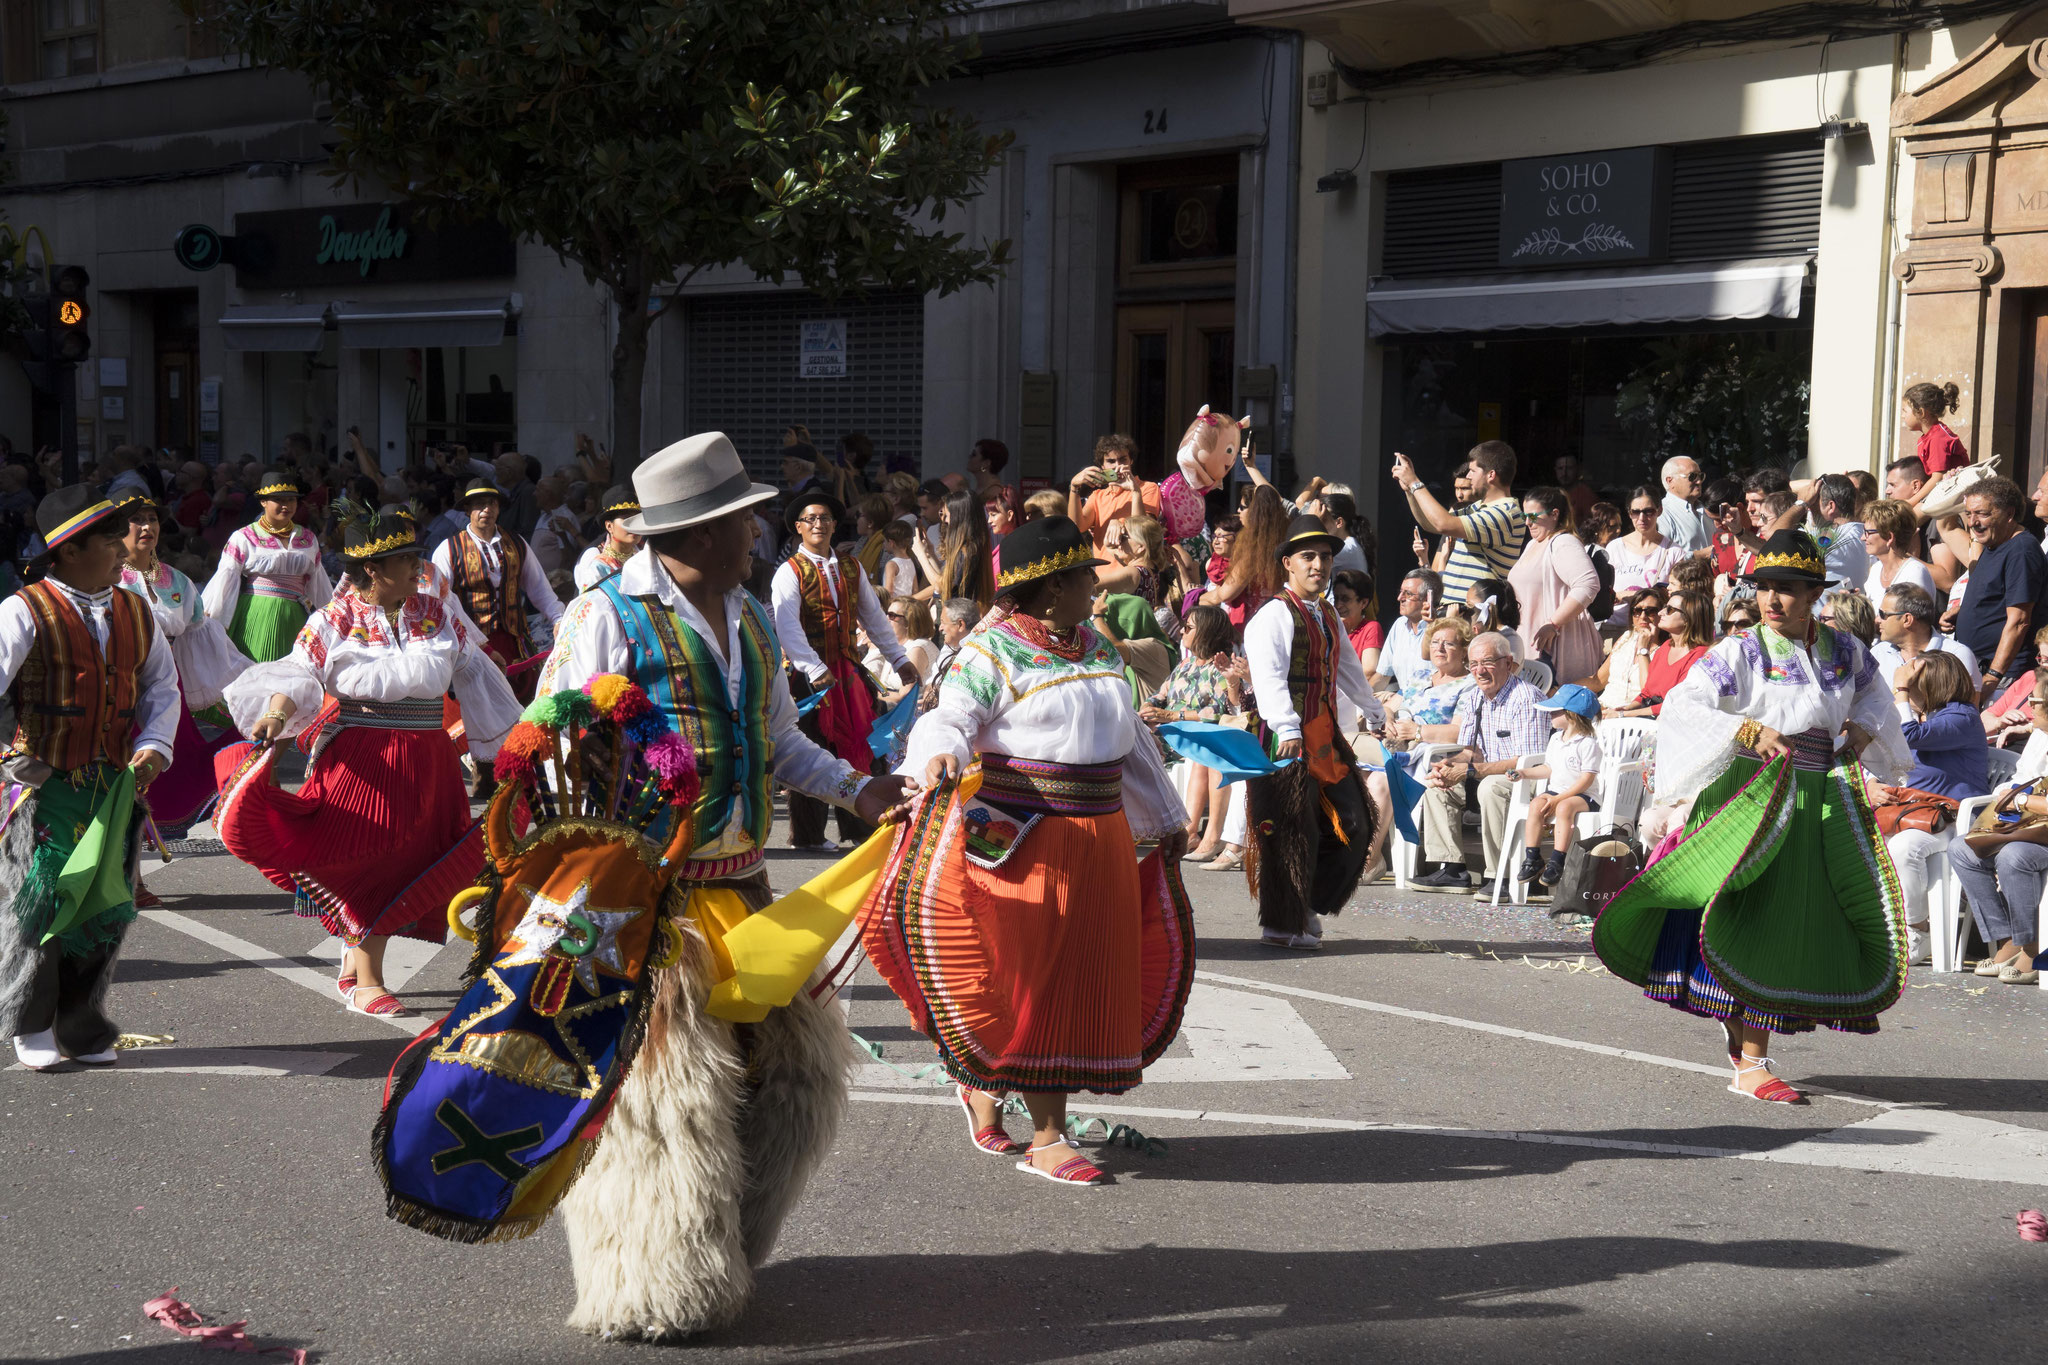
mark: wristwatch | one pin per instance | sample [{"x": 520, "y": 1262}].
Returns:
[{"x": 1416, "y": 487}]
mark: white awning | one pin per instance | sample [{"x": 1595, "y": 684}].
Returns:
[
  {"x": 1725, "y": 290},
  {"x": 273, "y": 326},
  {"x": 447, "y": 322}
]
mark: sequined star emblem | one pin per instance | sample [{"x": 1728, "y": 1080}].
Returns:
[{"x": 546, "y": 923}]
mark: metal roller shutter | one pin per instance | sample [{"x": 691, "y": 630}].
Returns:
[
  {"x": 1732, "y": 199},
  {"x": 741, "y": 361}
]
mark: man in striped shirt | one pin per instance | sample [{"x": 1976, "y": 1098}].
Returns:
[{"x": 1488, "y": 535}]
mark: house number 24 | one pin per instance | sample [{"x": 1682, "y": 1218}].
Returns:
[{"x": 1155, "y": 121}]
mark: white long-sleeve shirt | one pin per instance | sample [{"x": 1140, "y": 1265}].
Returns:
[
  {"x": 207, "y": 659},
  {"x": 349, "y": 650},
  {"x": 593, "y": 640},
  {"x": 156, "y": 693},
  {"x": 533, "y": 580},
  {"x": 1269, "y": 649},
  {"x": 1001, "y": 699},
  {"x": 786, "y": 603}
]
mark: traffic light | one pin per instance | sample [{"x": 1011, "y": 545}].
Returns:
[{"x": 70, "y": 342}]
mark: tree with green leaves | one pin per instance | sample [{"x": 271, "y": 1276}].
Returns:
[{"x": 648, "y": 140}]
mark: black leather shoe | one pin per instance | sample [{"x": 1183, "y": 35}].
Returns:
[{"x": 1444, "y": 879}]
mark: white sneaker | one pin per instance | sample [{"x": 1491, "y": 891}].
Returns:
[
  {"x": 37, "y": 1051},
  {"x": 1919, "y": 947},
  {"x": 1306, "y": 943},
  {"x": 1315, "y": 928},
  {"x": 107, "y": 1058}
]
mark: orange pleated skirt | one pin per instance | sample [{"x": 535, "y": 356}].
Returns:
[{"x": 1066, "y": 968}]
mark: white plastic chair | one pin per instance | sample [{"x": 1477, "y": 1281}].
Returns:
[
  {"x": 1618, "y": 788},
  {"x": 1538, "y": 674},
  {"x": 1402, "y": 856},
  {"x": 1945, "y": 922}
]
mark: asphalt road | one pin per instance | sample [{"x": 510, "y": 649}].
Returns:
[{"x": 1448, "y": 1137}]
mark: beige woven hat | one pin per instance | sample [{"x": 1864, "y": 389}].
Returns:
[{"x": 694, "y": 480}]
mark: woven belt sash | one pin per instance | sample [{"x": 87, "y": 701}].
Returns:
[
  {"x": 292, "y": 586},
  {"x": 414, "y": 713},
  {"x": 1029, "y": 785},
  {"x": 1812, "y": 750}
]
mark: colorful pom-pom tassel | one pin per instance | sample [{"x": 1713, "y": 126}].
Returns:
[
  {"x": 630, "y": 703},
  {"x": 604, "y": 690},
  {"x": 647, "y": 728},
  {"x": 674, "y": 763}
]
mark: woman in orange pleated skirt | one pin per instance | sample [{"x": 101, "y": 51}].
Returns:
[{"x": 1015, "y": 920}]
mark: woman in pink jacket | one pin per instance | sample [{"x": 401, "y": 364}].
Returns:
[{"x": 1556, "y": 581}]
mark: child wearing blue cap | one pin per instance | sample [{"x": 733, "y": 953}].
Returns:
[{"x": 1571, "y": 763}]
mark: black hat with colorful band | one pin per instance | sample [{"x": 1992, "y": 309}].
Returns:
[
  {"x": 620, "y": 501},
  {"x": 1308, "y": 533},
  {"x": 279, "y": 483},
  {"x": 70, "y": 512},
  {"x": 481, "y": 488},
  {"x": 133, "y": 500},
  {"x": 1039, "y": 548}
]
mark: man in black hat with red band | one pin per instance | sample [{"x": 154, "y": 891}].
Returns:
[
  {"x": 1311, "y": 822},
  {"x": 815, "y": 599}
]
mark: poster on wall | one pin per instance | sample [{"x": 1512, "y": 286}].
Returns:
[{"x": 821, "y": 349}]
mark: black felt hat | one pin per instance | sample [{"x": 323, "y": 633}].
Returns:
[
  {"x": 481, "y": 488},
  {"x": 1049, "y": 545},
  {"x": 1308, "y": 533},
  {"x": 620, "y": 501},
  {"x": 70, "y": 512},
  {"x": 1788, "y": 557},
  {"x": 279, "y": 483},
  {"x": 379, "y": 536},
  {"x": 810, "y": 499},
  {"x": 133, "y": 500}
]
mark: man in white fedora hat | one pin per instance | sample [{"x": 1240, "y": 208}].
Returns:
[{"x": 676, "y": 621}]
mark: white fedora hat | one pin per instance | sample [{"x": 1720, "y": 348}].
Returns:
[{"x": 696, "y": 479}]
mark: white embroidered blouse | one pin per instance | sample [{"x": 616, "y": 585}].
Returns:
[
  {"x": 1005, "y": 696},
  {"x": 349, "y": 649},
  {"x": 275, "y": 566},
  {"x": 207, "y": 659},
  {"x": 1784, "y": 685}
]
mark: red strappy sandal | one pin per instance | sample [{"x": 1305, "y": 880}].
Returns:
[
  {"x": 345, "y": 984},
  {"x": 1075, "y": 1170},
  {"x": 1772, "y": 1091},
  {"x": 992, "y": 1139},
  {"x": 384, "y": 1004}
]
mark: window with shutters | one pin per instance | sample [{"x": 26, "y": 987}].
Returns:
[
  {"x": 743, "y": 363},
  {"x": 1729, "y": 199},
  {"x": 70, "y": 38}
]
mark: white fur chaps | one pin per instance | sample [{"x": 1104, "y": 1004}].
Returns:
[{"x": 714, "y": 1132}]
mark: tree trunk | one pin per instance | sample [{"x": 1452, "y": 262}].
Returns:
[{"x": 629, "y": 372}]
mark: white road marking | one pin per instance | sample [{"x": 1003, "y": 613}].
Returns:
[
  {"x": 1234, "y": 1036},
  {"x": 1903, "y": 1141},
  {"x": 1502, "y": 1030},
  {"x": 403, "y": 958},
  {"x": 219, "y": 1061},
  {"x": 291, "y": 970}
]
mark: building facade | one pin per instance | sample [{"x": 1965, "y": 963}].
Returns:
[{"x": 1604, "y": 230}]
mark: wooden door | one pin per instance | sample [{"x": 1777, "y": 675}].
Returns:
[
  {"x": 2031, "y": 415},
  {"x": 1171, "y": 358},
  {"x": 177, "y": 407}
]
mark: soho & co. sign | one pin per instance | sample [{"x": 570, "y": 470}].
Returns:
[{"x": 1584, "y": 208}]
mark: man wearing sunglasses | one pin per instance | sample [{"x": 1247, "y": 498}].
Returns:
[
  {"x": 1906, "y": 630},
  {"x": 1496, "y": 723}
]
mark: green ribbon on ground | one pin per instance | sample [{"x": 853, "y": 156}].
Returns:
[{"x": 95, "y": 877}]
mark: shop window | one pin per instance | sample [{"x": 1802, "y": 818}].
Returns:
[
  {"x": 70, "y": 38},
  {"x": 462, "y": 395}
]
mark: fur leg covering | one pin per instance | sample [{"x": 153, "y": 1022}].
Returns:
[
  {"x": 796, "y": 1095},
  {"x": 654, "y": 1222},
  {"x": 19, "y": 958},
  {"x": 1284, "y": 812}
]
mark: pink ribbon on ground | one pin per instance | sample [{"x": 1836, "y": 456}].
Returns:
[
  {"x": 177, "y": 1315},
  {"x": 2033, "y": 1226}
]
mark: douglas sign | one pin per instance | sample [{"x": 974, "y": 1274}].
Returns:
[{"x": 1583, "y": 208}]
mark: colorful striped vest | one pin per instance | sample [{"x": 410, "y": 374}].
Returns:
[
  {"x": 495, "y": 608},
  {"x": 1312, "y": 680},
  {"x": 829, "y": 625},
  {"x": 74, "y": 704},
  {"x": 682, "y": 676}
]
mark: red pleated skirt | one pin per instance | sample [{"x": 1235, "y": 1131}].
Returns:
[
  {"x": 1067, "y": 968},
  {"x": 379, "y": 837},
  {"x": 846, "y": 718}
]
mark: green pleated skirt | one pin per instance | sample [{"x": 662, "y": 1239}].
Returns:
[
  {"x": 265, "y": 627},
  {"x": 1779, "y": 908}
]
